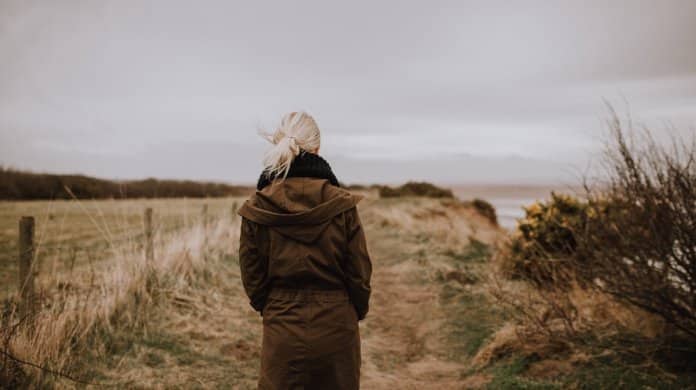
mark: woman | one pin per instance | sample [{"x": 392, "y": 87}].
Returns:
[{"x": 305, "y": 265}]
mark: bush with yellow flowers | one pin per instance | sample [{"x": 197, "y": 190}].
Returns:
[{"x": 541, "y": 247}]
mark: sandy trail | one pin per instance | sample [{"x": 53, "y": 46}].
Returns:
[
  {"x": 400, "y": 343},
  {"x": 406, "y": 337},
  {"x": 402, "y": 346}
]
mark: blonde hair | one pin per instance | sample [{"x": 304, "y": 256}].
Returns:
[{"x": 298, "y": 131}]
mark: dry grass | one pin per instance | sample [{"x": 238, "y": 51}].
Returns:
[
  {"x": 567, "y": 337},
  {"x": 70, "y": 234},
  {"x": 80, "y": 310}
]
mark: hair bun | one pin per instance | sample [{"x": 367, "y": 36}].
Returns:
[{"x": 293, "y": 145}]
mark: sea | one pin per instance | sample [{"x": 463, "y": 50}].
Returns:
[{"x": 509, "y": 200}]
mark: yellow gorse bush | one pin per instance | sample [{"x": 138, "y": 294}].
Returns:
[{"x": 544, "y": 237}]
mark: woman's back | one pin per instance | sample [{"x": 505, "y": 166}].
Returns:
[
  {"x": 303, "y": 223},
  {"x": 306, "y": 269}
]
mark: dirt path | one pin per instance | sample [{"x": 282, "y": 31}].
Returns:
[
  {"x": 401, "y": 344},
  {"x": 401, "y": 347},
  {"x": 405, "y": 341}
]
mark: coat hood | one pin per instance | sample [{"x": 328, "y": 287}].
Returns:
[{"x": 298, "y": 207}]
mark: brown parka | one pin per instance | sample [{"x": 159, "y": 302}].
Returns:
[{"x": 306, "y": 269}]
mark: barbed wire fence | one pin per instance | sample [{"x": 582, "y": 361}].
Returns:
[{"x": 71, "y": 253}]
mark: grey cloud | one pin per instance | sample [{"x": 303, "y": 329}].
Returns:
[{"x": 118, "y": 88}]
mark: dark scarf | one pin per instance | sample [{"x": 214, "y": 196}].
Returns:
[{"x": 306, "y": 164}]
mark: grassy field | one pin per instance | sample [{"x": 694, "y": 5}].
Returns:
[
  {"x": 72, "y": 233},
  {"x": 183, "y": 321}
]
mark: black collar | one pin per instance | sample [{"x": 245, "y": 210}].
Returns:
[{"x": 306, "y": 164}]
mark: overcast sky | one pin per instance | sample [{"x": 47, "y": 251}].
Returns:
[{"x": 448, "y": 91}]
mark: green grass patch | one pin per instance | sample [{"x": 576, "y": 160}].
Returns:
[
  {"x": 471, "y": 320},
  {"x": 475, "y": 252},
  {"x": 507, "y": 376},
  {"x": 609, "y": 369},
  {"x": 603, "y": 375},
  {"x": 637, "y": 362},
  {"x": 179, "y": 348}
]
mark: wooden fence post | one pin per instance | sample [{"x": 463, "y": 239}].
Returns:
[
  {"x": 26, "y": 271},
  {"x": 204, "y": 218},
  {"x": 149, "y": 236}
]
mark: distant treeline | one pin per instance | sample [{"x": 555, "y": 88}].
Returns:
[
  {"x": 413, "y": 188},
  {"x": 21, "y": 185}
]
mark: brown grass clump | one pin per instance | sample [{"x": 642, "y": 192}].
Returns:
[{"x": 486, "y": 209}]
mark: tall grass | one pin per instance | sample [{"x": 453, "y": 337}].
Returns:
[{"x": 76, "y": 313}]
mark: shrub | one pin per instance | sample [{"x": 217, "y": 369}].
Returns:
[
  {"x": 634, "y": 238},
  {"x": 544, "y": 241},
  {"x": 415, "y": 189},
  {"x": 639, "y": 244},
  {"x": 389, "y": 192},
  {"x": 354, "y": 187}
]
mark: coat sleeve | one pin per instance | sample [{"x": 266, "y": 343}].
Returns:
[
  {"x": 358, "y": 266},
  {"x": 253, "y": 265}
]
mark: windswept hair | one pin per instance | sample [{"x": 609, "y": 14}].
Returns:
[{"x": 297, "y": 131}]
